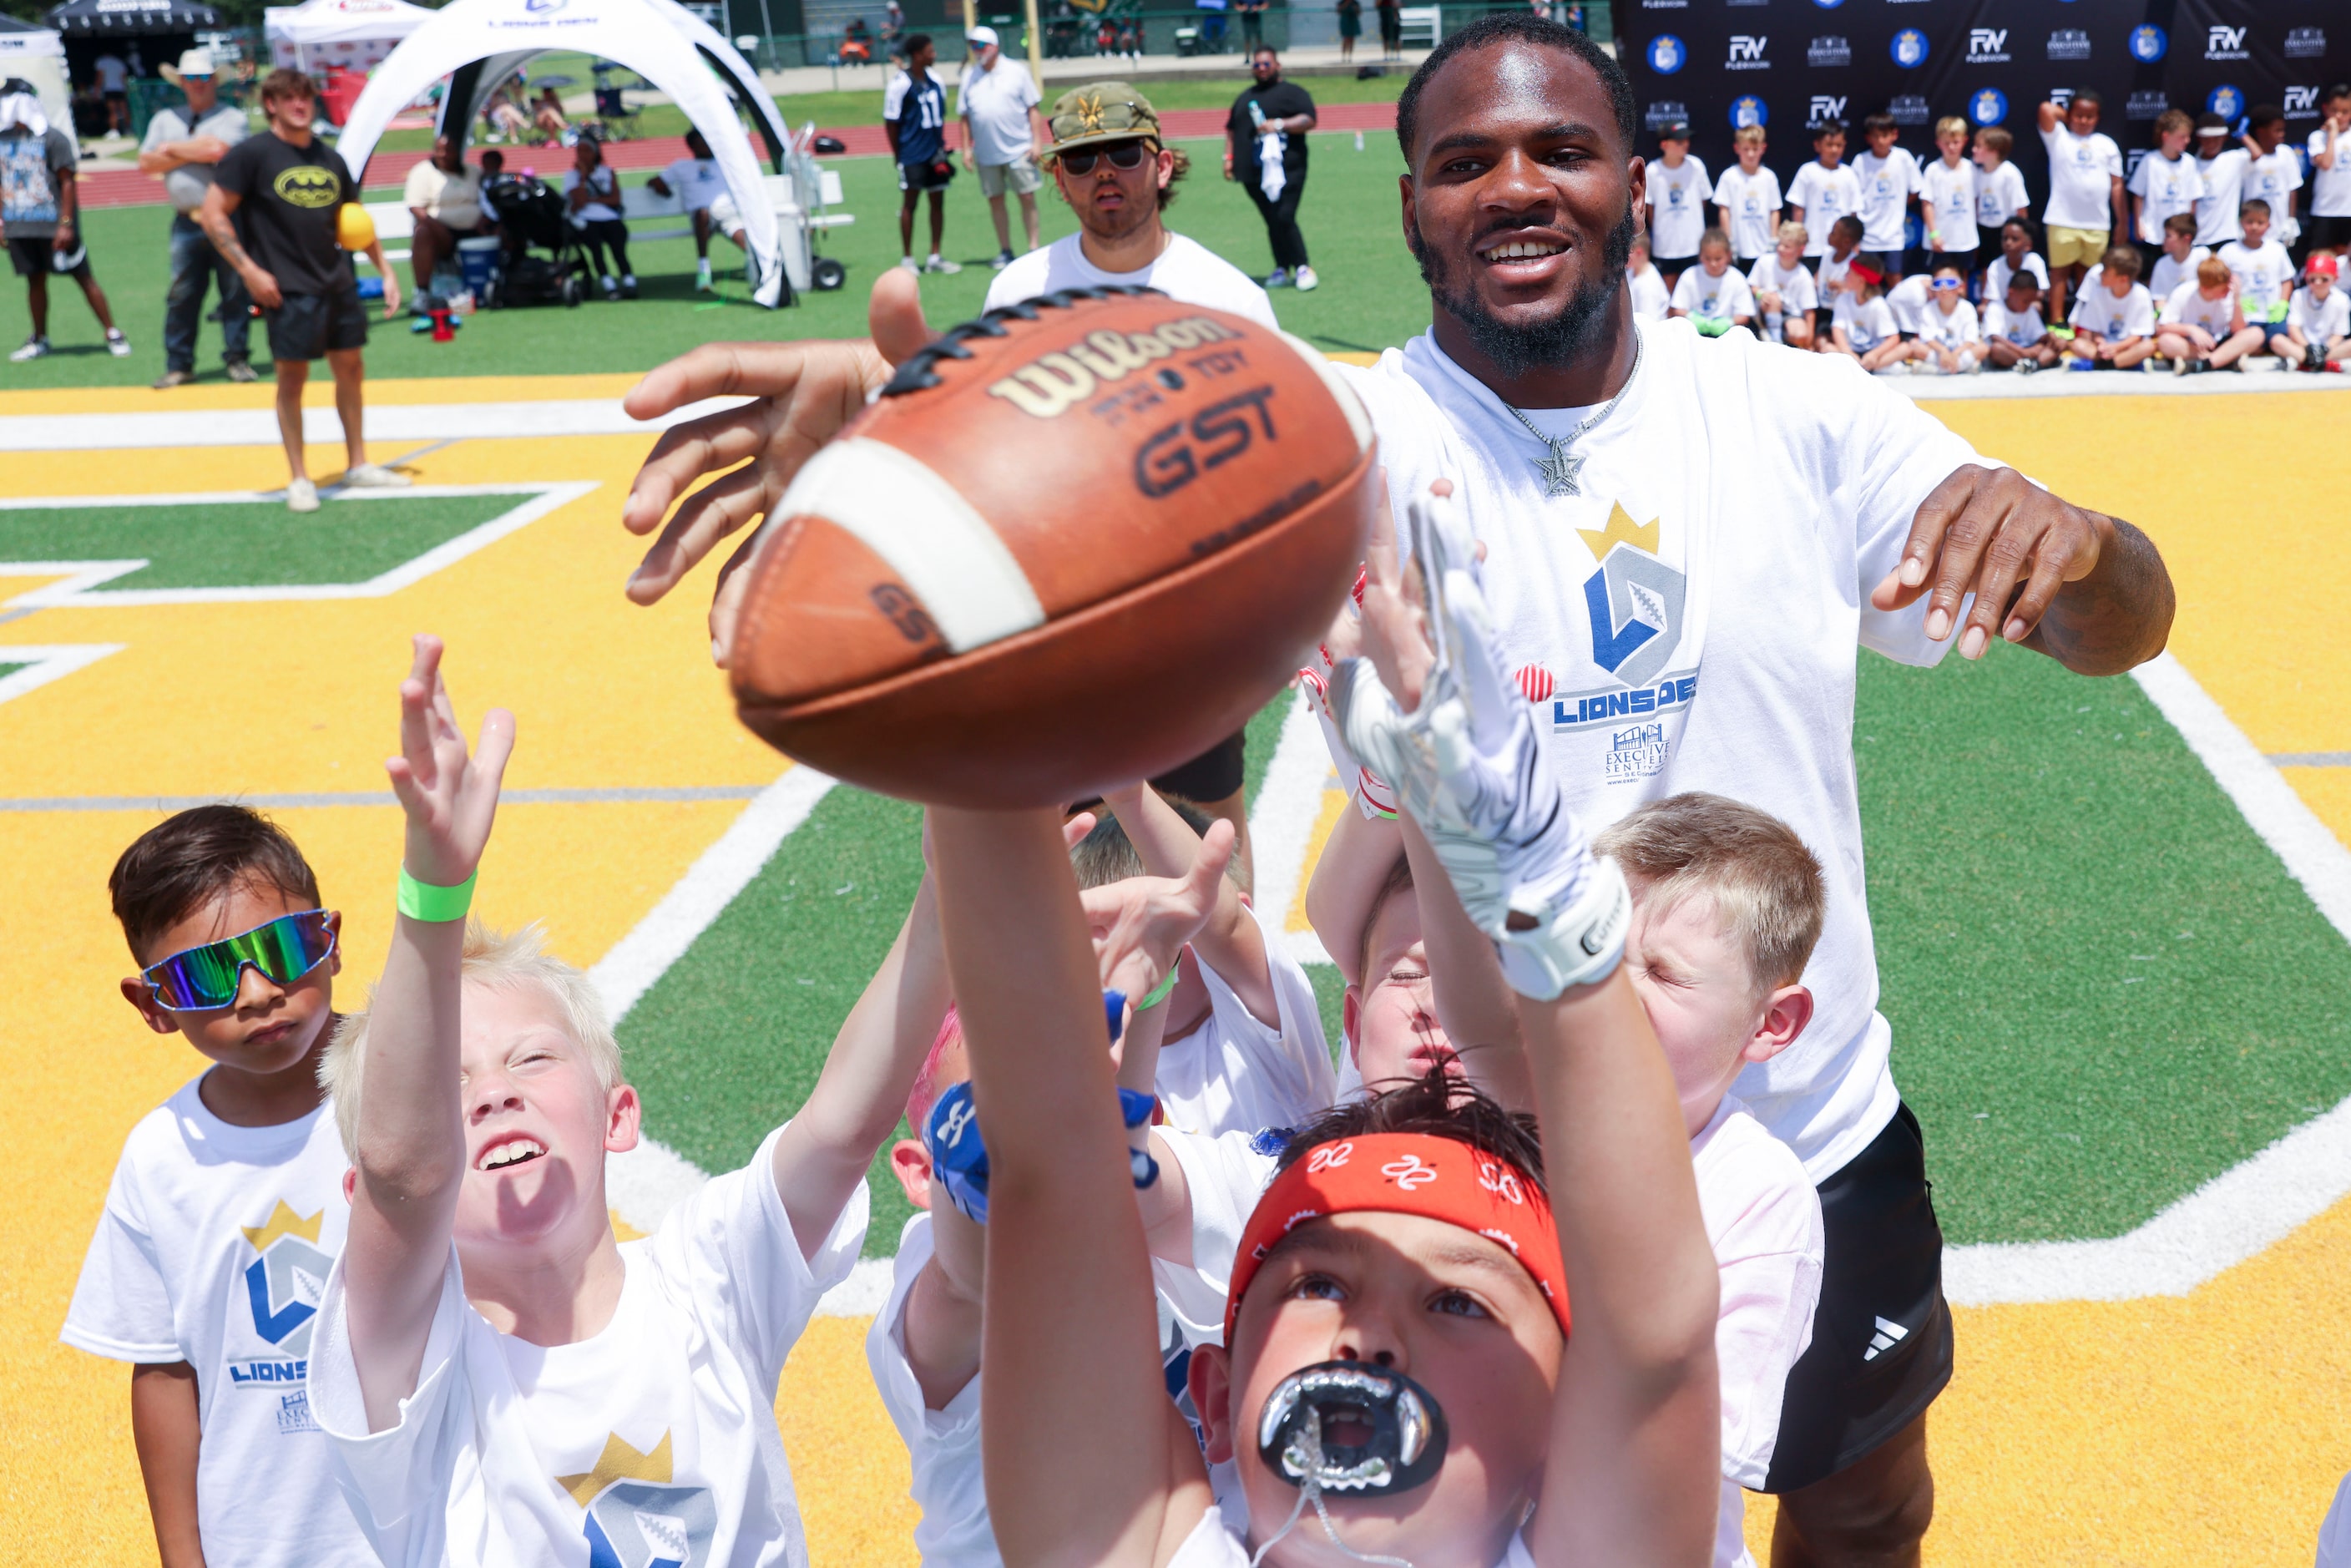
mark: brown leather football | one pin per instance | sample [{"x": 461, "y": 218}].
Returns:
[{"x": 1072, "y": 544}]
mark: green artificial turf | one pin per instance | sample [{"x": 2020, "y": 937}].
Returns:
[
  {"x": 246, "y": 544},
  {"x": 1371, "y": 296},
  {"x": 2105, "y": 989},
  {"x": 10, "y": 666}
]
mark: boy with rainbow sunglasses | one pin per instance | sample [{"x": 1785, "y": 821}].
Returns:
[{"x": 226, "y": 1208}]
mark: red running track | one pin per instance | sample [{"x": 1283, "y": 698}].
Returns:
[{"x": 128, "y": 187}]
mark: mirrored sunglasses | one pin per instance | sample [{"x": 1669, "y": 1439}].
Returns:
[
  {"x": 1125, "y": 155},
  {"x": 202, "y": 978},
  {"x": 1944, "y": 285}
]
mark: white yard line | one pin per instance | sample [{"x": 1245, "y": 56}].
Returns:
[
  {"x": 48, "y": 661},
  {"x": 321, "y": 427},
  {"x": 2244, "y": 1210},
  {"x": 1281, "y": 825}
]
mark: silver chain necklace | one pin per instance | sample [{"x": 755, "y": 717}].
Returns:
[{"x": 1559, "y": 466}]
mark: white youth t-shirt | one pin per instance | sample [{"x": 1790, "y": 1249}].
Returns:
[
  {"x": 2097, "y": 309},
  {"x": 1677, "y": 199},
  {"x": 1650, "y": 300},
  {"x": 2186, "y": 305},
  {"x": 1948, "y": 197},
  {"x": 1763, "y": 1221},
  {"x": 2170, "y": 272},
  {"x": 2274, "y": 177},
  {"x": 1886, "y": 187},
  {"x": 1224, "y": 1176},
  {"x": 2330, "y": 181},
  {"x": 2222, "y": 197},
  {"x": 2022, "y": 328},
  {"x": 213, "y": 1249},
  {"x": 1720, "y": 298},
  {"x": 2167, "y": 185},
  {"x": 1866, "y": 323},
  {"x": 1997, "y": 274},
  {"x": 2000, "y": 196},
  {"x": 654, "y": 1440},
  {"x": 2082, "y": 172},
  {"x": 1752, "y": 203},
  {"x": 2321, "y": 322},
  {"x": 941, "y": 1446},
  {"x": 1954, "y": 328},
  {"x": 2264, "y": 277},
  {"x": 1824, "y": 195},
  {"x": 1186, "y": 270},
  {"x": 1907, "y": 302},
  {"x": 1794, "y": 285},
  {"x": 1235, "y": 1072},
  {"x": 696, "y": 180},
  {"x": 1700, "y": 606}
]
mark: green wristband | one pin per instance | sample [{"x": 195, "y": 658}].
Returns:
[
  {"x": 1159, "y": 992},
  {"x": 423, "y": 901}
]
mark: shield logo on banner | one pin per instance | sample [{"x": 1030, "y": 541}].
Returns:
[
  {"x": 1909, "y": 49},
  {"x": 2149, "y": 43},
  {"x": 2226, "y": 102},
  {"x": 1666, "y": 53},
  {"x": 1748, "y": 110},
  {"x": 1988, "y": 106}
]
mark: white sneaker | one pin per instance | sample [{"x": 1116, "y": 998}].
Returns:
[
  {"x": 116, "y": 344},
  {"x": 2026, "y": 367},
  {"x": 34, "y": 349},
  {"x": 937, "y": 264},
  {"x": 910, "y": 263},
  {"x": 375, "y": 476},
  {"x": 611, "y": 288},
  {"x": 1003, "y": 259},
  {"x": 302, "y": 496},
  {"x": 702, "y": 277},
  {"x": 1307, "y": 281}
]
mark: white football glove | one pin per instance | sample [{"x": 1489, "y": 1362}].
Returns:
[
  {"x": 1370, "y": 794},
  {"x": 1469, "y": 765}
]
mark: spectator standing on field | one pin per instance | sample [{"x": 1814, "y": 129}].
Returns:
[
  {"x": 113, "y": 86},
  {"x": 40, "y": 203},
  {"x": 1391, "y": 29},
  {"x": 181, "y": 146},
  {"x": 1265, "y": 150},
  {"x": 1351, "y": 28},
  {"x": 271, "y": 213},
  {"x": 914, "y": 117},
  {"x": 444, "y": 199},
  {"x": 1002, "y": 131}
]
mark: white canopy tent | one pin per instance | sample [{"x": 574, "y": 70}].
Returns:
[
  {"x": 477, "y": 42},
  {"x": 36, "y": 54},
  {"x": 356, "y": 33}
]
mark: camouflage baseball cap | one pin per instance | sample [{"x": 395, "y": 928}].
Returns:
[{"x": 1102, "y": 111}]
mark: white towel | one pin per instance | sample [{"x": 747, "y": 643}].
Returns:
[
  {"x": 1270, "y": 176},
  {"x": 23, "y": 109}
]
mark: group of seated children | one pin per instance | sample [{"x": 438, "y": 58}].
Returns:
[
  {"x": 366, "y": 1273},
  {"x": 1831, "y": 277}
]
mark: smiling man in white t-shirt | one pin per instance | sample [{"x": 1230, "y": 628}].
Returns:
[{"x": 1664, "y": 515}]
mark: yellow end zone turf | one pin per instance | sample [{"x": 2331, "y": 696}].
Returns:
[{"x": 2172, "y": 1431}]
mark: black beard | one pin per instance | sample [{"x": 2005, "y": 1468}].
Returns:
[{"x": 1515, "y": 349}]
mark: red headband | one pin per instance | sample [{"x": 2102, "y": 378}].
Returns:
[{"x": 1407, "y": 1172}]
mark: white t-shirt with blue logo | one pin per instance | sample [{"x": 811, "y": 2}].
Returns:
[
  {"x": 2000, "y": 196},
  {"x": 214, "y": 1248},
  {"x": 1235, "y": 1072},
  {"x": 655, "y": 1440},
  {"x": 2167, "y": 185},
  {"x": 1887, "y": 184},
  {"x": 1677, "y": 199},
  {"x": 1823, "y": 195},
  {"x": 2082, "y": 173},
  {"x": 1700, "y": 606},
  {"x": 1723, "y": 298}
]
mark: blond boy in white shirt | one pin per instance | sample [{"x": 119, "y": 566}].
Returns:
[
  {"x": 2265, "y": 275},
  {"x": 1748, "y": 198},
  {"x": 1784, "y": 290},
  {"x": 2202, "y": 326},
  {"x": 1947, "y": 200}
]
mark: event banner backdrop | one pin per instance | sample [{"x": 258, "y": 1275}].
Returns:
[{"x": 1786, "y": 65}]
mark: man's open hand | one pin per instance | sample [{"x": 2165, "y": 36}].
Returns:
[
  {"x": 803, "y": 394},
  {"x": 1987, "y": 531}
]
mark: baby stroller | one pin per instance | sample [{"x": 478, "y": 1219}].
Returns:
[{"x": 531, "y": 214}]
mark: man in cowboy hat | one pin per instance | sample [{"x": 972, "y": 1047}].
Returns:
[{"x": 181, "y": 146}]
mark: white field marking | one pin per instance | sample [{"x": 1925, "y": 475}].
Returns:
[
  {"x": 1281, "y": 825},
  {"x": 2244, "y": 1210},
  {"x": 48, "y": 661},
  {"x": 2104, "y": 383},
  {"x": 645, "y": 1184},
  {"x": 387, "y": 422},
  {"x": 78, "y": 584}
]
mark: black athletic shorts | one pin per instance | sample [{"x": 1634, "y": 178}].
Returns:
[
  {"x": 936, "y": 175},
  {"x": 36, "y": 257},
  {"x": 307, "y": 326},
  {"x": 1213, "y": 776},
  {"x": 2325, "y": 234},
  {"x": 1881, "y": 1346}
]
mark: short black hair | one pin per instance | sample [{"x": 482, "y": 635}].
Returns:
[
  {"x": 494, "y": 159},
  {"x": 1871, "y": 124},
  {"x": 915, "y": 44},
  {"x": 191, "y": 858},
  {"x": 1829, "y": 127},
  {"x": 1519, "y": 27},
  {"x": 1440, "y": 1105},
  {"x": 2088, "y": 95}
]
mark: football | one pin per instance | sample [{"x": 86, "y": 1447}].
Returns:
[{"x": 1071, "y": 544}]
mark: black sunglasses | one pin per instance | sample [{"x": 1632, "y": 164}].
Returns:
[{"x": 1125, "y": 155}]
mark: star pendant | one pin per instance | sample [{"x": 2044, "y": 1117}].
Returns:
[{"x": 1558, "y": 470}]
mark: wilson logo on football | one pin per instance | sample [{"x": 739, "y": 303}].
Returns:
[{"x": 1050, "y": 384}]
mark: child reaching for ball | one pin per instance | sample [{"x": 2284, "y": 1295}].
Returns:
[
  {"x": 1390, "y": 1364},
  {"x": 502, "y": 1380}
]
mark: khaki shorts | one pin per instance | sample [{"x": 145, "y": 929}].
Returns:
[
  {"x": 1022, "y": 177},
  {"x": 2067, "y": 247}
]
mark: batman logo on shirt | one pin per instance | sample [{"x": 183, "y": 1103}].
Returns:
[{"x": 308, "y": 185}]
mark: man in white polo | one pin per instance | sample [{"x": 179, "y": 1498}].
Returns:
[{"x": 1002, "y": 131}]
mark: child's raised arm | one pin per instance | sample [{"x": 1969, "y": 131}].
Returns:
[
  {"x": 1231, "y": 942},
  {"x": 1087, "y": 1460},
  {"x": 410, "y": 1153}
]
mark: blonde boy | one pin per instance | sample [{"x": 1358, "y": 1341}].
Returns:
[
  {"x": 2202, "y": 326},
  {"x": 1947, "y": 200},
  {"x": 1748, "y": 198},
  {"x": 502, "y": 1380},
  {"x": 2264, "y": 277},
  {"x": 1784, "y": 290}
]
